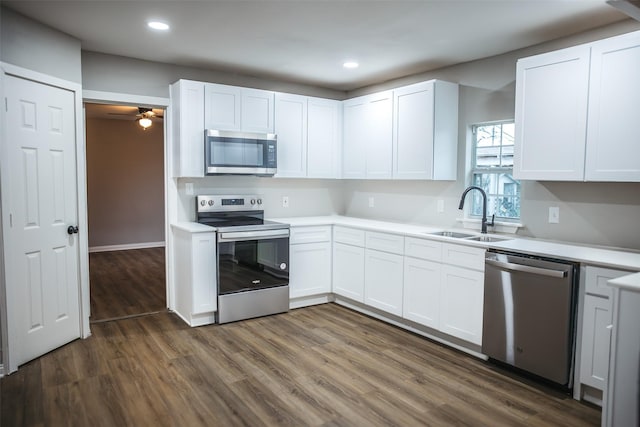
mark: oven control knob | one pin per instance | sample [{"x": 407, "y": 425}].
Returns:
[
  {"x": 203, "y": 202},
  {"x": 259, "y": 201},
  {"x": 283, "y": 266},
  {"x": 253, "y": 201},
  {"x": 210, "y": 202}
]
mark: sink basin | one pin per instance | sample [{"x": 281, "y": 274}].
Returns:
[
  {"x": 484, "y": 238},
  {"x": 453, "y": 234}
]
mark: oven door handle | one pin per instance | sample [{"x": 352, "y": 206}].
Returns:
[{"x": 236, "y": 236}]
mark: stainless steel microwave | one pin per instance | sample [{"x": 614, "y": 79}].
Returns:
[{"x": 240, "y": 153}]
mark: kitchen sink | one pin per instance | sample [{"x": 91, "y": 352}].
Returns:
[
  {"x": 453, "y": 234},
  {"x": 483, "y": 238}
]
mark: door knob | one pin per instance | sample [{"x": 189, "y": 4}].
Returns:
[{"x": 72, "y": 230}]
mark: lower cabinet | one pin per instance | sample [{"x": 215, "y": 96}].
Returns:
[
  {"x": 461, "y": 302},
  {"x": 383, "y": 281},
  {"x": 421, "y": 297},
  {"x": 196, "y": 299},
  {"x": 310, "y": 272},
  {"x": 310, "y": 261},
  {"x": 348, "y": 271},
  {"x": 596, "y": 323}
]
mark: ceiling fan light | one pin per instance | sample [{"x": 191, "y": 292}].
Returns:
[{"x": 145, "y": 122}]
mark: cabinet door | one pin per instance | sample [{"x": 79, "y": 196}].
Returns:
[
  {"x": 421, "y": 297},
  {"x": 222, "y": 108},
  {"x": 323, "y": 138},
  {"x": 257, "y": 111},
  {"x": 348, "y": 271},
  {"x": 310, "y": 271},
  {"x": 551, "y": 115},
  {"x": 596, "y": 339},
  {"x": 379, "y": 142},
  {"x": 614, "y": 96},
  {"x": 383, "y": 281},
  {"x": 291, "y": 128},
  {"x": 413, "y": 131},
  {"x": 355, "y": 138},
  {"x": 187, "y": 99},
  {"x": 203, "y": 253},
  {"x": 461, "y": 302}
]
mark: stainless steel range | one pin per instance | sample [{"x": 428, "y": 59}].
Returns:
[{"x": 253, "y": 257}]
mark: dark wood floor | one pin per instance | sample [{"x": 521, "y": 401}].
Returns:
[
  {"x": 125, "y": 283},
  {"x": 318, "y": 366}
]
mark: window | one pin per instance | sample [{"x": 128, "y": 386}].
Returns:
[{"x": 492, "y": 170}]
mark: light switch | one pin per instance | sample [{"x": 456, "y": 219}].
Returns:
[
  {"x": 285, "y": 201},
  {"x": 440, "y": 206},
  {"x": 189, "y": 188},
  {"x": 371, "y": 202},
  {"x": 554, "y": 215}
]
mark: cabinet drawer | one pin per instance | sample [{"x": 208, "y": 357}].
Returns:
[
  {"x": 314, "y": 234},
  {"x": 463, "y": 256},
  {"x": 596, "y": 280},
  {"x": 385, "y": 242},
  {"x": 349, "y": 236},
  {"x": 423, "y": 248}
]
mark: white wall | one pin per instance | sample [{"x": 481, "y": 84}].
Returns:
[
  {"x": 592, "y": 213},
  {"x": 125, "y": 183},
  {"x": 34, "y": 46}
]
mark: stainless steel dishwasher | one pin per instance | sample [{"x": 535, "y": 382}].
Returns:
[{"x": 529, "y": 314}]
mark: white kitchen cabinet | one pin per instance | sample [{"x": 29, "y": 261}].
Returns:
[
  {"x": 574, "y": 116},
  {"x": 613, "y": 153},
  {"x": 310, "y": 261},
  {"x": 368, "y": 137},
  {"x": 596, "y": 319},
  {"x": 238, "y": 109},
  {"x": 324, "y": 136},
  {"x": 187, "y": 102},
  {"x": 551, "y": 115},
  {"x": 291, "y": 128},
  {"x": 425, "y": 131},
  {"x": 308, "y": 132},
  {"x": 195, "y": 276},
  {"x": 348, "y": 271},
  {"x": 461, "y": 303},
  {"x": 383, "y": 281},
  {"x": 421, "y": 297}
]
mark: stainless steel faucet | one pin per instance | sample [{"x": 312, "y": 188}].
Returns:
[{"x": 484, "y": 207}]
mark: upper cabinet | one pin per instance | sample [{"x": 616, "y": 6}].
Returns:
[
  {"x": 308, "y": 132},
  {"x": 238, "y": 108},
  {"x": 187, "y": 109},
  {"x": 408, "y": 133},
  {"x": 425, "y": 131},
  {"x": 367, "y": 137},
  {"x": 575, "y": 113}
]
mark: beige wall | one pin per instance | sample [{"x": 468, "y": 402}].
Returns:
[{"x": 125, "y": 183}]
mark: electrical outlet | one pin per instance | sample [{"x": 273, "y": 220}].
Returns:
[
  {"x": 554, "y": 215},
  {"x": 285, "y": 201},
  {"x": 189, "y": 188},
  {"x": 371, "y": 202},
  {"x": 440, "y": 206}
]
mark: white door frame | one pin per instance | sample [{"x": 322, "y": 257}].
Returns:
[
  {"x": 9, "y": 332},
  {"x": 170, "y": 186}
]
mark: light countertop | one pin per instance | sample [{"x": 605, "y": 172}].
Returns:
[
  {"x": 630, "y": 282},
  {"x": 602, "y": 257}
]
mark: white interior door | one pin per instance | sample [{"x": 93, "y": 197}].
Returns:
[{"x": 42, "y": 272}]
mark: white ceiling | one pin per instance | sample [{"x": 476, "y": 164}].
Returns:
[{"x": 306, "y": 41}]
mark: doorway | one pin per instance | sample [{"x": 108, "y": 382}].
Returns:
[{"x": 126, "y": 211}]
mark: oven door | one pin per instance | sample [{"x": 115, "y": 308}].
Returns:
[{"x": 252, "y": 260}]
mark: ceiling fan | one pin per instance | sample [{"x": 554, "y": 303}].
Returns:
[{"x": 144, "y": 117}]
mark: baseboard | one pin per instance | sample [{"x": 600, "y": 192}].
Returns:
[{"x": 126, "y": 247}]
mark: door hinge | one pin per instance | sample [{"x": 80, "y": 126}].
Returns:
[
  {"x": 6, "y": 104},
  {"x": 10, "y": 220}
]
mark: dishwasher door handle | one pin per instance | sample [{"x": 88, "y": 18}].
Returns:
[{"x": 527, "y": 269}]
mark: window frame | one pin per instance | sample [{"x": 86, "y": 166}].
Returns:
[{"x": 496, "y": 170}]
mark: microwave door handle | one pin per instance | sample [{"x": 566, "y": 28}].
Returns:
[{"x": 527, "y": 269}]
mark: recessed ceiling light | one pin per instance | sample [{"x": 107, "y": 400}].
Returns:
[
  {"x": 157, "y": 25},
  {"x": 350, "y": 64}
]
